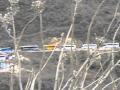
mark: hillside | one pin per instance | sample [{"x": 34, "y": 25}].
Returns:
[{"x": 56, "y": 19}]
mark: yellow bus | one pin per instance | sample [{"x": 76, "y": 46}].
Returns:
[{"x": 49, "y": 47}]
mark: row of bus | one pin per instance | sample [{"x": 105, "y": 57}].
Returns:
[
  {"x": 7, "y": 53},
  {"x": 84, "y": 46},
  {"x": 103, "y": 46},
  {"x": 59, "y": 47},
  {"x": 69, "y": 47}
]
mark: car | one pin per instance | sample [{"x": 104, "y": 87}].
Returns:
[
  {"x": 3, "y": 57},
  {"x": 6, "y": 57},
  {"x": 8, "y": 68}
]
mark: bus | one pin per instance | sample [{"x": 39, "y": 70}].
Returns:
[
  {"x": 6, "y": 50},
  {"x": 29, "y": 48},
  {"x": 50, "y": 47},
  {"x": 69, "y": 47},
  {"x": 91, "y": 46},
  {"x": 110, "y": 45}
]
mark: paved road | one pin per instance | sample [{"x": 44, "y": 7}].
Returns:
[{"x": 76, "y": 50}]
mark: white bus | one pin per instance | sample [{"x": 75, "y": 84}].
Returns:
[
  {"x": 29, "y": 48},
  {"x": 91, "y": 46},
  {"x": 69, "y": 47},
  {"x": 110, "y": 45}
]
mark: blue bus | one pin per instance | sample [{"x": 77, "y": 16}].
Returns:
[{"x": 7, "y": 50}]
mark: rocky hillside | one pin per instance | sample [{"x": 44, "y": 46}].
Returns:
[{"x": 57, "y": 19}]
